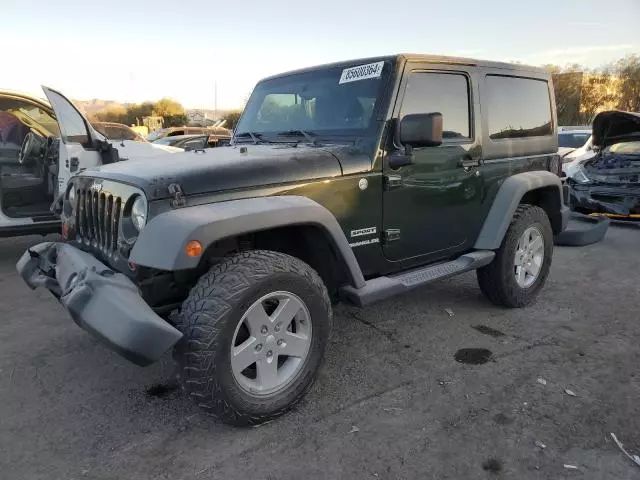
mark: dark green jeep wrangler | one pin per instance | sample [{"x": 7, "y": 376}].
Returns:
[{"x": 357, "y": 181}]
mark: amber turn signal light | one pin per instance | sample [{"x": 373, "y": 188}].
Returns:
[{"x": 193, "y": 248}]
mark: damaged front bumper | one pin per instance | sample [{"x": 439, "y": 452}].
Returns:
[
  {"x": 105, "y": 303},
  {"x": 611, "y": 201}
]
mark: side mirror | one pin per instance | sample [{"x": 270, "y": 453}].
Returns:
[
  {"x": 108, "y": 153},
  {"x": 421, "y": 130}
]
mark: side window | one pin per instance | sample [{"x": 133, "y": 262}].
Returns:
[
  {"x": 518, "y": 107},
  {"x": 447, "y": 93},
  {"x": 72, "y": 126}
]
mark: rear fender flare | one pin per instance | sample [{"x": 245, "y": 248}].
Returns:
[
  {"x": 505, "y": 203},
  {"x": 162, "y": 242}
]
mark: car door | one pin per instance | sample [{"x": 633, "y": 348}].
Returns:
[
  {"x": 430, "y": 205},
  {"x": 78, "y": 139}
]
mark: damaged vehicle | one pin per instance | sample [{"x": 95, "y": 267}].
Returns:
[
  {"x": 193, "y": 142},
  {"x": 218, "y": 135},
  {"x": 117, "y": 131},
  {"x": 608, "y": 183},
  {"x": 573, "y": 140},
  {"x": 38, "y": 157},
  {"x": 574, "y": 146},
  {"x": 354, "y": 181}
]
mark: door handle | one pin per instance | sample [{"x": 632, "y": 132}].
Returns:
[{"x": 468, "y": 162}]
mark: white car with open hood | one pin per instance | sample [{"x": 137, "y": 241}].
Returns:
[{"x": 42, "y": 145}]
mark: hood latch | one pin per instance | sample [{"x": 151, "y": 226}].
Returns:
[{"x": 179, "y": 200}]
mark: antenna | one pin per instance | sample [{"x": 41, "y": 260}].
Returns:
[
  {"x": 215, "y": 99},
  {"x": 127, "y": 97}
]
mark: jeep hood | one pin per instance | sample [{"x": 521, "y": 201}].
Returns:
[
  {"x": 222, "y": 168},
  {"x": 130, "y": 149},
  {"x": 614, "y": 126}
]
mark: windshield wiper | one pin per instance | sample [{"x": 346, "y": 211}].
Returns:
[
  {"x": 255, "y": 137},
  {"x": 299, "y": 133}
]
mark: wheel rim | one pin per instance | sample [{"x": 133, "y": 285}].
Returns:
[
  {"x": 529, "y": 256},
  {"x": 271, "y": 343}
]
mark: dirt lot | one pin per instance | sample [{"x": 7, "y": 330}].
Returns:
[{"x": 390, "y": 403}]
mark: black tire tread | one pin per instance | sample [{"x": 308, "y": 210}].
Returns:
[
  {"x": 492, "y": 278},
  {"x": 210, "y": 300}
]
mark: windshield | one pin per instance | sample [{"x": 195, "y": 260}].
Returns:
[
  {"x": 337, "y": 101},
  {"x": 41, "y": 117},
  {"x": 572, "y": 139}
]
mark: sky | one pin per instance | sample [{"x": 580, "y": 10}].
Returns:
[{"x": 207, "y": 53}]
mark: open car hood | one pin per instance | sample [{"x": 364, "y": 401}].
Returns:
[{"x": 615, "y": 126}]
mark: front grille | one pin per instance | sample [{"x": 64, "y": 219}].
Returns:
[{"x": 98, "y": 218}]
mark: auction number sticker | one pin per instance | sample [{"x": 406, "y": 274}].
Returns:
[{"x": 361, "y": 72}]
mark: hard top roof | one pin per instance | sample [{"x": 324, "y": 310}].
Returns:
[{"x": 419, "y": 57}]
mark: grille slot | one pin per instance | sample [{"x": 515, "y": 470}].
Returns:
[{"x": 98, "y": 219}]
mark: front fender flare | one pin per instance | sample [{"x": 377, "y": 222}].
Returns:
[
  {"x": 506, "y": 202},
  {"x": 162, "y": 242}
]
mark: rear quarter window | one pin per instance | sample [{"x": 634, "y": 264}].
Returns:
[{"x": 517, "y": 107}]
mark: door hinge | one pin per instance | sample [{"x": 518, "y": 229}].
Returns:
[
  {"x": 73, "y": 164},
  {"x": 391, "y": 235},
  {"x": 392, "y": 181}
]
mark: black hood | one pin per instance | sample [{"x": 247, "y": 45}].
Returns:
[
  {"x": 615, "y": 126},
  {"x": 223, "y": 168}
]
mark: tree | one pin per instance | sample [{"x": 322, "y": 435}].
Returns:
[
  {"x": 172, "y": 112},
  {"x": 232, "y": 119},
  {"x": 175, "y": 120},
  {"x": 568, "y": 93},
  {"x": 112, "y": 113},
  {"x": 167, "y": 107},
  {"x": 136, "y": 112},
  {"x": 582, "y": 93},
  {"x": 627, "y": 70},
  {"x": 599, "y": 93}
]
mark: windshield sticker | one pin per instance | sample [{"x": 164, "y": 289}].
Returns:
[{"x": 361, "y": 72}]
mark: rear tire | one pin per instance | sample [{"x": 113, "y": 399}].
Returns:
[
  {"x": 502, "y": 281},
  {"x": 233, "y": 316}
]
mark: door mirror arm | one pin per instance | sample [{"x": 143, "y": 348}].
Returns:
[{"x": 400, "y": 158}]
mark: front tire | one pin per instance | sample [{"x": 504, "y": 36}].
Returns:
[
  {"x": 255, "y": 327},
  {"x": 521, "y": 266}
]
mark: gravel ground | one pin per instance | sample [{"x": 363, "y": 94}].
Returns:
[{"x": 391, "y": 402}]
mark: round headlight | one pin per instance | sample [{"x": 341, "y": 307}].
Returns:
[
  {"x": 72, "y": 197},
  {"x": 139, "y": 212}
]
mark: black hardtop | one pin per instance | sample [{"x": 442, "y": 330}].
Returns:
[{"x": 415, "y": 57}]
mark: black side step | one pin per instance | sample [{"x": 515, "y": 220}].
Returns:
[{"x": 384, "y": 287}]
